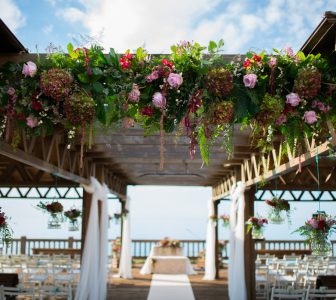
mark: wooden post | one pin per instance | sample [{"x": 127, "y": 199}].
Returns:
[
  {"x": 215, "y": 203},
  {"x": 249, "y": 250},
  {"x": 23, "y": 242}
]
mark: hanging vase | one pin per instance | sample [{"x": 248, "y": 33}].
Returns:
[
  {"x": 54, "y": 221},
  {"x": 276, "y": 216},
  {"x": 258, "y": 233},
  {"x": 321, "y": 245},
  {"x": 73, "y": 225}
]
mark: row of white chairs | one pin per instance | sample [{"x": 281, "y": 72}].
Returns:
[{"x": 302, "y": 294}]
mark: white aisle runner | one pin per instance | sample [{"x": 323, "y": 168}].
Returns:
[{"x": 170, "y": 287}]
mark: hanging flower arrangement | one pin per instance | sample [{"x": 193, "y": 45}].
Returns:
[
  {"x": 225, "y": 219},
  {"x": 256, "y": 225},
  {"x": 277, "y": 208},
  {"x": 116, "y": 247},
  {"x": 73, "y": 214},
  {"x": 317, "y": 232},
  {"x": 280, "y": 93},
  {"x": 5, "y": 229},
  {"x": 55, "y": 210}
]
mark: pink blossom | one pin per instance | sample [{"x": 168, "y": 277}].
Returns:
[
  {"x": 250, "y": 80},
  {"x": 289, "y": 51},
  {"x": 175, "y": 80},
  {"x": 313, "y": 223},
  {"x": 321, "y": 106},
  {"x": 127, "y": 122},
  {"x": 31, "y": 121},
  {"x": 293, "y": 99},
  {"x": 153, "y": 76},
  {"x": 159, "y": 100},
  {"x": 260, "y": 222},
  {"x": 134, "y": 95},
  {"x": 11, "y": 91},
  {"x": 272, "y": 62},
  {"x": 282, "y": 119},
  {"x": 310, "y": 117},
  {"x": 29, "y": 69}
]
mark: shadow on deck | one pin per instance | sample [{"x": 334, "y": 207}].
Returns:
[{"x": 138, "y": 287}]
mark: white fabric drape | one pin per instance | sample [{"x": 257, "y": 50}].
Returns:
[
  {"x": 210, "y": 248},
  {"x": 93, "y": 276},
  {"x": 125, "y": 266},
  {"x": 237, "y": 287}
]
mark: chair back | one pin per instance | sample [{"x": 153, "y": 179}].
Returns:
[{"x": 289, "y": 293}]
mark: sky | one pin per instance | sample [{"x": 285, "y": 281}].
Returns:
[{"x": 156, "y": 24}]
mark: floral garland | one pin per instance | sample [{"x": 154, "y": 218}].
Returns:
[{"x": 280, "y": 93}]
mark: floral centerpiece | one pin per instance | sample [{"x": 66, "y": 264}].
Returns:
[
  {"x": 278, "y": 207},
  {"x": 73, "y": 214},
  {"x": 166, "y": 242},
  {"x": 317, "y": 231},
  {"x": 225, "y": 219},
  {"x": 55, "y": 210},
  {"x": 5, "y": 230},
  {"x": 256, "y": 224}
]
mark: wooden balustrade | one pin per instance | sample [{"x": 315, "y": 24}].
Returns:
[{"x": 141, "y": 248}]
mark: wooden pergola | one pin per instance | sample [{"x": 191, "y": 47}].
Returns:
[{"x": 125, "y": 157}]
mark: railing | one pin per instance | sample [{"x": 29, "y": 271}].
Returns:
[{"x": 141, "y": 248}]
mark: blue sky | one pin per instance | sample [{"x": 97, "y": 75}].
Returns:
[{"x": 157, "y": 24}]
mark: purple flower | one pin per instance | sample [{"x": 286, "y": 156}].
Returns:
[
  {"x": 31, "y": 121},
  {"x": 29, "y": 69},
  {"x": 11, "y": 91},
  {"x": 159, "y": 100},
  {"x": 281, "y": 119},
  {"x": 293, "y": 99},
  {"x": 134, "y": 95},
  {"x": 289, "y": 51},
  {"x": 153, "y": 76},
  {"x": 250, "y": 80},
  {"x": 175, "y": 80},
  {"x": 310, "y": 117}
]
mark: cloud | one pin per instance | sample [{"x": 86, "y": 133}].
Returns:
[
  {"x": 48, "y": 29},
  {"x": 157, "y": 24},
  {"x": 11, "y": 15}
]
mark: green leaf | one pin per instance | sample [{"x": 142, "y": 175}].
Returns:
[
  {"x": 220, "y": 43},
  {"x": 83, "y": 77},
  {"x": 212, "y": 46},
  {"x": 98, "y": 87},
  {"x": 249, "y": 55},
  {"x": 71, "y": 52}
]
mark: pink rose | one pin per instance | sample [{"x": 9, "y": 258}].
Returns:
[
  {"x": 159, "y": 100},
  {"x": 250, "y": 80},
  {"x": 272, "y": 62},
  {"x": 321, "y": 106},
  {"x": 31, "y": 121},
  {"x": 293, "y": 99},
  {"x": 282, "y": 119},
  {"x": 29, "y": 69},
  {"x": 175, "y": 80},
  {"x": 127, "y": 122},
  {"x": 310, "y": 117},
  {"x": 153, "y": 76},
  {"x": 11, "y": 91},
  {"x": 313, "y": 223},
  {"x": 134, "y": 95},
  {"x": 289, "y": 51}
]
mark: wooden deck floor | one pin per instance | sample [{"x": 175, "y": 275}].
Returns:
[{"x": 138, "y": 287}]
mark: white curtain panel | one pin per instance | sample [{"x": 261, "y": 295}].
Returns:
[
  {"x": 237, "y": 287},
  {"x": 210, "y": 252},
  {"x": 125, "y": 266},
  {"x": 92, "y": 284}
]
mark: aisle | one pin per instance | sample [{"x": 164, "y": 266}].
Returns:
[{"x": 170, "y": 287}]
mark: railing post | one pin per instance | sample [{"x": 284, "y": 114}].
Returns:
[
  {"x": 70, "y": 242},
  {"x": 23, "y": 241}
]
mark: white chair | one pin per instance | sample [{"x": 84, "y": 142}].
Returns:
[
  {"x": 55, "y": 291},
  {"x": 322, "y": 293},
  {"x": 27, "y": 293},
  {"x": 289, "y": 293}
]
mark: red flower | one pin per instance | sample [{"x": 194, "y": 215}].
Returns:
[
  {"x": 2, "y": 219},
  {"x": 247, "y": 63},
  {"x": 128, "y": 56},
  {"x": 321, "y": 224},
  {"x": 256, "y": 57},
  {"x": 21, "y": 116},
  {"x": 36, "y": 105},
  {"x": 147, "y": 111},
  {"x": 167, "y": 63},
  {"x": 125, "y": 63}
]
